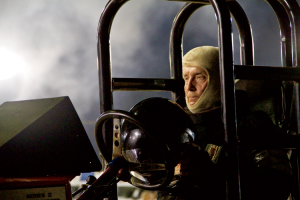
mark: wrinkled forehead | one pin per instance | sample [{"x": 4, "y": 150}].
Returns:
[{"x": 193, "y": 70}]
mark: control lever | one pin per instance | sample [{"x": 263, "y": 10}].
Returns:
[
  {"x": 100, "y": 185},
  {"x": 89, "y": 181}
]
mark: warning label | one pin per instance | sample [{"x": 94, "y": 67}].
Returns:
[{"x": 45, "y": 193}]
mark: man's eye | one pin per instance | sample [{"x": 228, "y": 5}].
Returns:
[{"x": 201, "y": 77}]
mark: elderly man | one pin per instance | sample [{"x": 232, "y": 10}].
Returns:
[{"x": 202, "y": 166}]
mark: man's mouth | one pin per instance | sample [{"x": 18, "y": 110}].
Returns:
[{"x": 192, "y": 100}]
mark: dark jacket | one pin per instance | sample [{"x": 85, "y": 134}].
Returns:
[
  {"x": 268, "y": 178},
  {"x": 208, "y": 181}
]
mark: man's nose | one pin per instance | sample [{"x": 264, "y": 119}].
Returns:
[{"x": 190, "y": 85}]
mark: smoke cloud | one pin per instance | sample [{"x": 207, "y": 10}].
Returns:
[{"x": 57, "y": 40}]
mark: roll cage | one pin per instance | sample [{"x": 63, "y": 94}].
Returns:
[{"x": 288, "y": 15}]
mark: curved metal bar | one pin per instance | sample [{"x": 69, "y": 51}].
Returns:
[
  {"x": 104, "y": 65},
  {"x": 288, "y": 15},
  {"x": 99, "y": 125},
  {"x": 149, "y": 84},
  {"x": 103, "y": 50},
  {"x": 168, "y": 179},
  {"x": 293, "y": 11},
  {"x": 293, "y": 14},
  {"x": 175, "y": 48},
  {"x": 228, "y": 98},
  {"x": 133, "y": 119},
  {"x": 285, "y": 23},
  {"x": 245, "y": 32},
  {"x": 110, "y": 114},
  {"x": 227, "y": 75},
  {"x": 285, "y": 32}
]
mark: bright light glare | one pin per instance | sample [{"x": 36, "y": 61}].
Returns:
[{"x": 10, "y": 64}]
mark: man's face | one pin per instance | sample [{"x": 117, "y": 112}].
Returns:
[{"x": 195, "y": 79}]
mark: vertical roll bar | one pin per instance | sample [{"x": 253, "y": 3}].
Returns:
[
  {"x": 245, "y": 33},
  {"x": 285, "y": 32},
  {"x": 104, "y": 67},
  {"x": 175, "y": 48},
  {"x": 293, "y": 11},
  {"x": 286, "y": 54},
  {"x": 287, "y": 12},
  {"x": 103, "y": 50},
  {"x": 246, "y": 46},
  {"x": 104, "y": 76},
  {"x": 228, "y": 98},
  {"x": 290, "y": 45}
]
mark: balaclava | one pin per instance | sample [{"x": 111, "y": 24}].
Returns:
[{"x": 206, "y": 57}]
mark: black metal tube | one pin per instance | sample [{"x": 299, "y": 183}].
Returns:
[
  {"x": 103, "y": 50},
  {"x": 175, "y": 48},
  {"x": 246, "y": 57},
  {"x": 193, "y": 1},
  {"x": 245, "y": 33},
  {"x": 98, "y": 188},
  {"x": 135, "y": 120},
  {"x": 285, "y": 32},
  {"x": 293, "y": 12},
  {"x": 285, "y": 23},
  {"x": 149, "y": 84},
  {"x": 246, "y": 72},
  {"x": 267, "y": 73},
  {"x": 104, "y": 65},
  {"x": 101, "y": 121},
  {"x": 228, "y": 99},
  {"x": 104, "y": 72}
]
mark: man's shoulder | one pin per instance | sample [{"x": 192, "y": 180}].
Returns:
[{"x": 204, "y": 116}]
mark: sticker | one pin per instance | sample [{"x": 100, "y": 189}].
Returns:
[
  {"x": 45, "y": 193},
  {"x": 213, "y": 152},
  {"x": 177, "y": 169}
]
